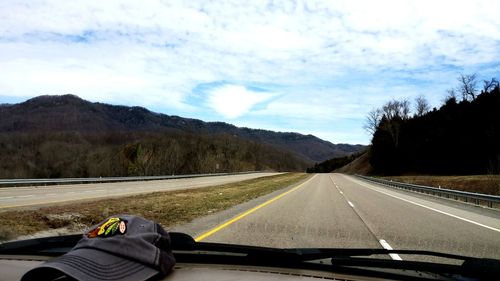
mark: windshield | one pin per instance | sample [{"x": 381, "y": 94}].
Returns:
[{"x": 288, "y": 124}]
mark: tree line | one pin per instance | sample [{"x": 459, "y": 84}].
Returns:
[
  {"x": 77, "y": 154},
  {"x": 461, "y": 137}
]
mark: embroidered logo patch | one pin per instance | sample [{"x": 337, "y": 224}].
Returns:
[{"x": 109, "y": 228}]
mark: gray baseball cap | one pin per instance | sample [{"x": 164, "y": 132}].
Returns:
[{"x": 122, "y": 247}]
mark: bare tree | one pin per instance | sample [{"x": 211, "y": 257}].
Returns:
[
  {"x": 396, "y": 109},
  {"x": 421, "y": 106},
  {"x": 468, "y": 86},
  {"x": 373, "y": 120},
  {"x": 393, "y": 112},
  {"x": 489, "y": 85},
  {"x": 405, "y": 109},
  {"x": 452, "y": 94}
]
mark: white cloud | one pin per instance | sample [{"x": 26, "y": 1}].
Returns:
[
  {"x": 154, "y": 53},
  {"x": 233, "y": 101}
]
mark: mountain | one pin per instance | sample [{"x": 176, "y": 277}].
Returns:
[{"x": 69, "y": 113}]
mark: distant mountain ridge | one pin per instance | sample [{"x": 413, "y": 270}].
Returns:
[{"x": 70, "y": 113}]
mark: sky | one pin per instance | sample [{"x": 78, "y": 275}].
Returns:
[{"x": 313, "y": 67}]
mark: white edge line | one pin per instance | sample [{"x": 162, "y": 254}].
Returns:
[
  {"x": 432, "y": 209},
  {"x": 350, "y": 204},
  {"x": 386, "y": 246}
]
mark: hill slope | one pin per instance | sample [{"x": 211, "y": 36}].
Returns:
[
  {"x": 459, "y": 138},
  {"x": 69, "y": 113},
  {"x": 361, "y": 166}
]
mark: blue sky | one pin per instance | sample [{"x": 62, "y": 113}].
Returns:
[{"x": 314, "y": 67}]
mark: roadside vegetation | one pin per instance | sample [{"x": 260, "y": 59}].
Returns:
[
  {"x": 86, "y": 154},
  {"x": 419, "y": 145},
  {"x": 167, "y": 208},
  {"x": 462, "y": 137},
  {"x": 487, "y": 184}
]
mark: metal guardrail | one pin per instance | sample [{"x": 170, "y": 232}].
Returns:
[
  {"x": 51, "y": 181},
  {"x": 491, "y": 201}
]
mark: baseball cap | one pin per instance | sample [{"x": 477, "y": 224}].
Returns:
[{"x": 121, "y": 247}]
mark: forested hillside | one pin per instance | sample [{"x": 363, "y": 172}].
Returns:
[
  {"x": 70, "y": 154},
  {"x": 70, "y": 113},
  {"x": 461, "y": 137},
  {"x": 65, "y": 136}
]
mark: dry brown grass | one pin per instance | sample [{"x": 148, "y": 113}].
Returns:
[
  {"x": 167, "y": 208},
  {"x": 487, "y": 184},
  {"x": 360, "y": 166}
]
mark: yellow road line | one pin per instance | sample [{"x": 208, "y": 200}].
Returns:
[{"x": 240, "y": 216}]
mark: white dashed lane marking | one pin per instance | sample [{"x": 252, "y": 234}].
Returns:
[
  {"x": 386, "y": 246},
  {"x": 382, "y": 242}
]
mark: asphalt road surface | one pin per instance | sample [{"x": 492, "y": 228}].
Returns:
[
  {"x": 15, "y": 197},
  {"x": 340, "y": 211}
]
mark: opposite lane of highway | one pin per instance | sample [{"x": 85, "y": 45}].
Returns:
[{"x": 13, "y": 197}]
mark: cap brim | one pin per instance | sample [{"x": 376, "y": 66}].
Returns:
[{"x": 92, "y": 265}]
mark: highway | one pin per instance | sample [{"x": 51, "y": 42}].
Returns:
[
  {"x": 340, "y": 211},
  {"x": 15, "y": 197}
]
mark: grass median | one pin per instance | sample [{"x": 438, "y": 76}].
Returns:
[{"x": 168, "y": 208}]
